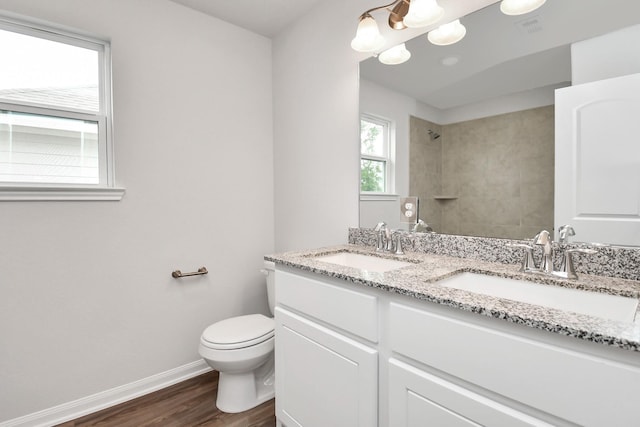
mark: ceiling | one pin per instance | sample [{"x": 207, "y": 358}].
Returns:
[
  {"x": 265, "y": 17},
  {"x": 502, "y": 55}
]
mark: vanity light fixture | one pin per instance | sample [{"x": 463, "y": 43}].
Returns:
[
  {"x": 402, "y": 14},
  {"x": 520, "y": 7},
  {"x": 447, "y": 34},
  {"x": 420, "y": 13},
  {"x": 396, "y": 55}
]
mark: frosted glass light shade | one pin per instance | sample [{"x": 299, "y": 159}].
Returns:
[
  {"x": 447, "y": 34},
  {"x": 368, "y": 37},
  {"x": 423, "y": 13},
  {"x": 520, "y": 7},
  {"x": 396, "y": 55}
]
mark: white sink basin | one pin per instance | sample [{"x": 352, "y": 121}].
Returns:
[
  {"x": 591, "y": 303},
  {"x": 363, "y": 262}
]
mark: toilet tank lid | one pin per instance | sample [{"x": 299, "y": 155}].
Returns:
[{"x": 239, "y": 329}]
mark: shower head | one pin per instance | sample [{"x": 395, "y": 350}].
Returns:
[{"x": 434, "y": 135}]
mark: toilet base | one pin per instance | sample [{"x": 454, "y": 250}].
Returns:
[{"x": 239, "y": 392}]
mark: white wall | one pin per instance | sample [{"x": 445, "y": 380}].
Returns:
[
  {"x": 316, "y": 128},
  {"x": 395, "y": 107},
  {"x": 612, "y": 55},
  {"x": 87, "y": 302},
  {"x": 316, "y": 121}
]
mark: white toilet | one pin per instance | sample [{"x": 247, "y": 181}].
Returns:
[{"x": 241, "y": 349}]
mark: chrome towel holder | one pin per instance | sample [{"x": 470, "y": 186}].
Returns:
[{"x": 176, "y": 274}]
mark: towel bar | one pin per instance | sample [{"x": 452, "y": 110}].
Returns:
[{"x": 177, "y": 273}]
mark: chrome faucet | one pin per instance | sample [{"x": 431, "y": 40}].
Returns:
[
  {"x": 544, "y": 239},
  {"x": 387, "y": 240},
  {"x": 381, "y": 229},
  {"x": 388, "y": 235},
  {"x": 422, "y": 226},
  {"x": 567, "y": 270}
]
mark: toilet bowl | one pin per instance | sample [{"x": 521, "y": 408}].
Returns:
[{"x": 241, "y": 349}]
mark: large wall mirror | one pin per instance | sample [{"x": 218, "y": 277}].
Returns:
[{"x": 474, "y": 121}]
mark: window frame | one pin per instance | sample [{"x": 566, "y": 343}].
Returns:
[
  {"x": 389, "y": 159},
  {"x": 106, "y": 188}
]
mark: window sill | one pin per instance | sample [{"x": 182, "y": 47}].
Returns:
[
  {"x": 385, "y": 197},
  {"x": 61, "y": 193}
]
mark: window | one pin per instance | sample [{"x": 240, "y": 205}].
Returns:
[
  {"x": 55, "y": 115},
  {"x": 375, "y": 155}
]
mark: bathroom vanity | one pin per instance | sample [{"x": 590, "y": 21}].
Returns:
[{"x": 356, "y": 347}]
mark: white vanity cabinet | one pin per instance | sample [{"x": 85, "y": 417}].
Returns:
[
  {"x": 327, "y": 373},
  {"x": 418, "y": 398},
  {"x": 524, "y": 373},
  {"x": 349, "y": 355}
]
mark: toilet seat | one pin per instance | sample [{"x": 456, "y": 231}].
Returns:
[{"x": 238, "y": 332}]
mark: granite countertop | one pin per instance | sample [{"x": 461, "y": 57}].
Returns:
[{"x": 420, "y": 281}]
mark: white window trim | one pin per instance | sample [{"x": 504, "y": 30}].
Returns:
[
  {"x": 107, "y": 189},
  {"x": 390, "y": 160},
  {"x": 24, "y": 193},
  {"x": 380, "y": 197}
]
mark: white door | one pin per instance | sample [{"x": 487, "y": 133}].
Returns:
[
  {"x": 420, "y": 399},
  {"x": 323, "y": 378},
  {"x": 597, "y": 160}
]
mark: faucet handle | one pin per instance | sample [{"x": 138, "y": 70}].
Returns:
[
  {"x": 528, "y": 263},
  {"x": 567, "y": 269},
  {"x": 564, "y": 231}
]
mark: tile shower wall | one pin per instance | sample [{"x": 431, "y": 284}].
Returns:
[
  {"x": 500, "y": 170},
  {"x": 425, "y": 169}
]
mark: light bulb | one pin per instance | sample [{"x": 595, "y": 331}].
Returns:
[
  {"x": 423, "y": 13},
  {"x": 447, "y": 34},
  {"x": 368, "y": 37},
  {"x": 396, "y": 55},
  {"x": 520, "y": 7}
]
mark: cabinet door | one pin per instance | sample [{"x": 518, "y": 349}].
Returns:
[
  {"x": 597, "y": 162},
  {"x": 323, "y": 378},
  {"x": 419, "y": 399}
]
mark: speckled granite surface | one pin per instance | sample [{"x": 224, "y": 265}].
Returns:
[
  {"x": 419, "y": 281},
  {"x": 610, "y": 261}
]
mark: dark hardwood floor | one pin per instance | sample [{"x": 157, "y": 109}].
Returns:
[{"x": 187, "y": 404}]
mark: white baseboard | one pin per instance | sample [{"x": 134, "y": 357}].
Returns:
[{"x": 96, "y": 402}]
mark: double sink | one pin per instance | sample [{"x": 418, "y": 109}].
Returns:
[{"x": 602, "y": 305}]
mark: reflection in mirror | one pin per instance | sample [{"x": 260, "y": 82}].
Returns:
[{"x": 490, "y": 100}]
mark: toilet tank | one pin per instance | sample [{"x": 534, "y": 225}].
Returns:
[{"x": 269, "y": 271}]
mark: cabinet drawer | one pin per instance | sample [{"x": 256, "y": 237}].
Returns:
[
  {"x": 553, "y": 379},
  {"x": 351, "y": 311},
  {"x": 324, "y": 379},
  {"x": 417, "y": 398}
]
